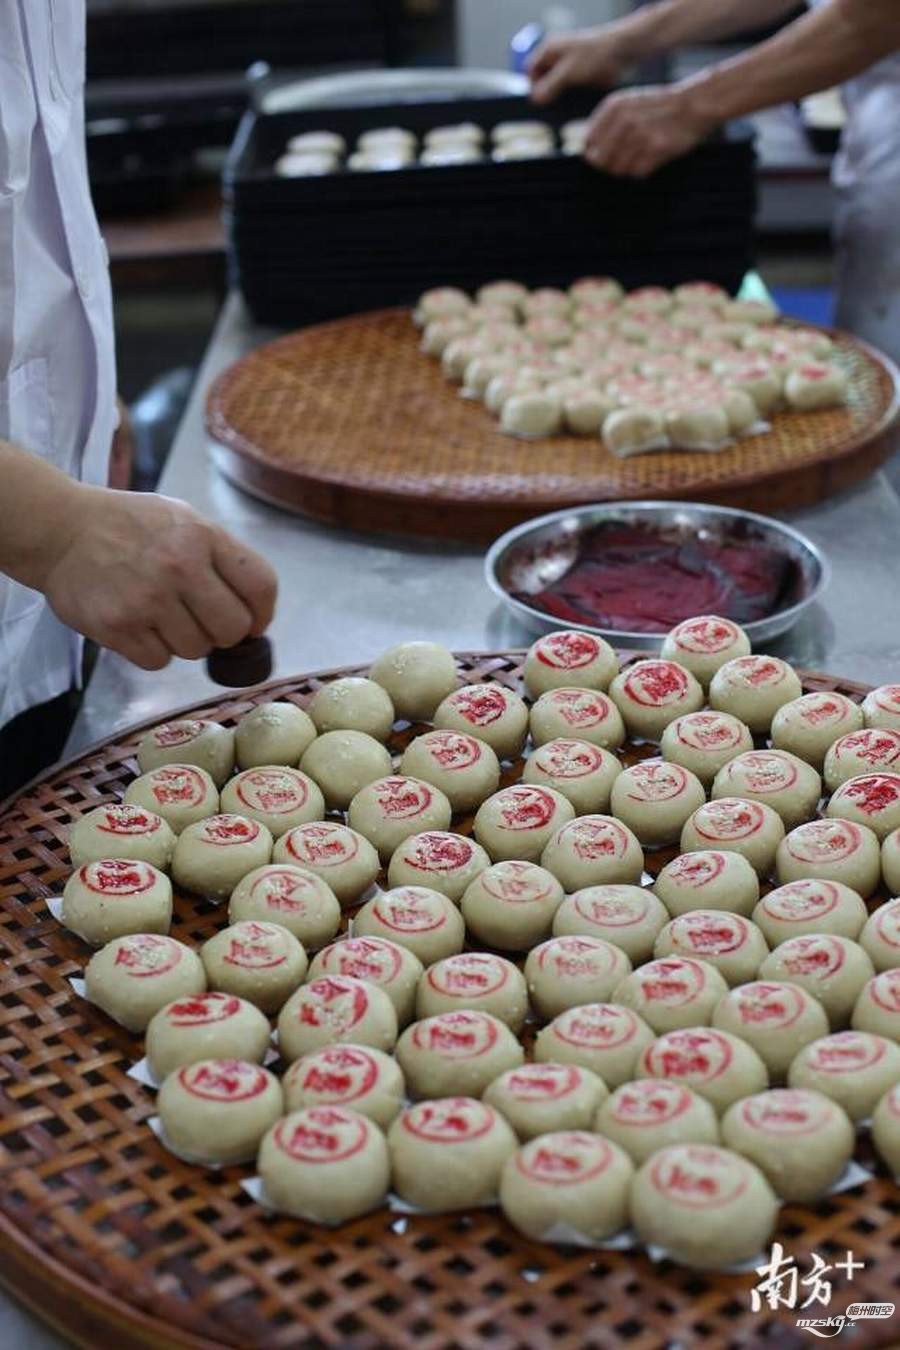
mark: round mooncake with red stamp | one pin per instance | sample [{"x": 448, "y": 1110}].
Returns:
[
  {"x": 629, "y": 917},
  {"x": 567, "y": 1181},
  {"x": 132, "y": 977},
  {"x": 537, "y": 1098},
  {"x": 448, "y": 1154},
  {"x": 705, "y": 1206},
  {"x": 327, "y": 1164},
  {"x": 465, "y": 1048},
  {"x": 355, "y": 1076},
  {"x": 217, "y": 1110},
  {"x": 708, "y": 879},
  {"x": 775, "y": 1018},
  {"x": 180, "y": 793},
  {"x": 107, "y": 899},
  {"x": 213, "y": 855},
  {"x": 798, "y": 1138},
  {"x": 720, "y": 1067},
  {"x": 335, "y": 1008},
  {"x": 569, "y": 658},
  {"x": 394, "y": 968},
  {"x": 652, "y": 1113}
]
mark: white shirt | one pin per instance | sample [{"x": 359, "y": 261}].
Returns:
[{"x": 57, "y": 363}]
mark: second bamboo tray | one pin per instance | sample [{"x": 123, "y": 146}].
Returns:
[
  {"x": 120, "y": 1245},
  {"x": 349, "y": 423}
]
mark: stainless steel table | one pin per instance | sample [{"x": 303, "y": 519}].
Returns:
[{"x": 345, "y": 597}]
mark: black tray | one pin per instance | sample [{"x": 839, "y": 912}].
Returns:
[{"x": 304, "y": 250}]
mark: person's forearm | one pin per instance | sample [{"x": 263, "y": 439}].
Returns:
[
  {"x": 657, "y": 29},
  {"x": 821, "y": 49},
  {"x": 36, "y": 508}
]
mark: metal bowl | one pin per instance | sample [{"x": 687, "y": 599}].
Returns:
[{"x": 532, "y": 556}]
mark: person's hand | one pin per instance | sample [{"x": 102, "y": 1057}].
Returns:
[
  {"x": 148, "y": 577},
  {"x": 638, "y": 130},
  {"x": 591, "y": 56}
]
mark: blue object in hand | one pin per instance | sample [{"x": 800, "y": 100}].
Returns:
[{"x": 522, "y": 44}]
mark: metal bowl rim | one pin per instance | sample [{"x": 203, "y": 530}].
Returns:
[{"x": 784, "y": 618}]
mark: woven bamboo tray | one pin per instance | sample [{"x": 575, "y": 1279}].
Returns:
[
  {"x": 120, "y": 1245},
  {"x": 347, "y": 422}
]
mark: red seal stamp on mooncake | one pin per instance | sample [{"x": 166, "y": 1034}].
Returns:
[
  {"x": 757, "y": 671},
  {"x": 595, "y": 837},
  {"x": 871, "y": 792},
  {"x": 342, "y": 1073},
  {"x": 517, "y": 883},
  {"x": 710, "y": 933},
  {"x": 568, "y": 759},
  {"x": 145, "y": 955},
  {"x": 785, "y": 1113},
  {"x": 580, "y": 707},
  {"x": 275, "y": 791},
  {"x": 728, "y": 818},
  {"x": 177, "y": 785},
  {"x": 365, "y": 958},
  {"x": 452, "y": 750},
  {"x": 671, "y": 981},
  {"x": 567, "y": 651},
  {"x": 656, "y": 684},
  {"x": 480, "y": 704},
  {"x": 117, "y": 878},
  {"x": 698, "y": 1053},
  {"x": 322, "y": 844},
  {"x": 656, "y": 780},
  {"x": 284, "y": 891},
  {"x": 456, "y": 1035},
  {"x": 325, "y": 1134},
  {"x": 596, "y": 1026},
  {"x": 707, "y": 731},
  {"x": 763, "y": 771},
  {"x": 650, "y": 1101},
  {"x": 336, "y": 1001},
  {"x": 258, "y": 946},
  {"x": 578, "y": 958},
  {"x": 227, "y": 830},
  {"x": 525, "y": 808},
  {"x": 449, "y": 1120},
  {"x": 468, "y": 975},
  {"x": 885, "y": 990},
  {"x": 768, "y": 1005},
  {"x": 697, "y": 1177},
  {"x": 177, "y": 733},
  {"x": 224, "y": 1080},
  {"x": 817, "y": 955},
  {"x": 706, "y": 635},
  {"x": 879, "y": 747},
  {"x": 127, "y": 820},
  {"x": 543, "y": 1082},
  {"x": 405, "y": 911},
  {"x": 203, "y": 1009},
  {"x": 696, "y": 869},
  {"x": 402, "y": 798},
  {"x": 611, "y": 910},
  {"x": 845, "y": 1052},
  {"x": 565, "y": 1159},
  {"x": 824, "y": 841},
  {"x": 437, "y": 851}
]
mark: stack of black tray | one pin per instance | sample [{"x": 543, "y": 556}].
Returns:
[{"x": 308, "y": 249}]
